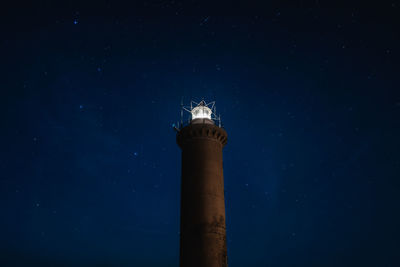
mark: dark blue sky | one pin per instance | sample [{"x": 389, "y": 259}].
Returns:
[{"x": 309, "y": 96}]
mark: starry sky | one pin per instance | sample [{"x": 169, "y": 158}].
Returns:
[{"x": 308, "y": 93}]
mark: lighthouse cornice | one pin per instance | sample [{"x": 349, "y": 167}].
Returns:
[{"x": 201, "y": 131}]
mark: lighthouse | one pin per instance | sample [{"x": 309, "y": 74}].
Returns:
[{"x": 202, "y": 222}]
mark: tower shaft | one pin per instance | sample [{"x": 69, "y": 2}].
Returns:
[{"x": 202, "y": 230}]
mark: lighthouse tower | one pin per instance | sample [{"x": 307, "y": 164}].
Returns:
[{"x": 202, "y": 228}]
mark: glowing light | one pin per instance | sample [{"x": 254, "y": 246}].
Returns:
[{"x": 201, "y": 112}]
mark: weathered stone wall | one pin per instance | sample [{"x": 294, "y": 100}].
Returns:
[{"x": 203, "y": 233}]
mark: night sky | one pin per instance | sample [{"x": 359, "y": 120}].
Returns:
[{"x": 308, "y": 93}]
